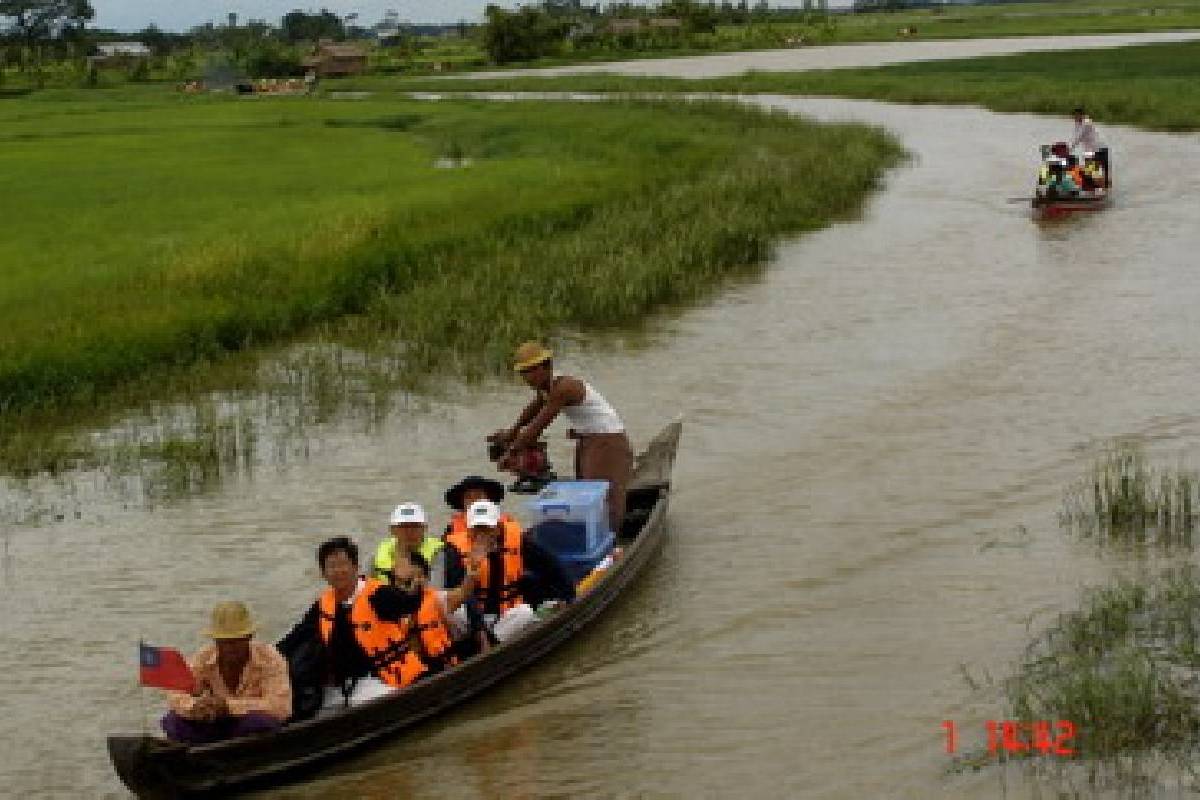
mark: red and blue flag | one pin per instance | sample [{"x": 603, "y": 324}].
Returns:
[{"x": 164, "y": 668}]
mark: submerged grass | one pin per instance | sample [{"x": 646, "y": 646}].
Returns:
[
  {"x": 1126, "y": 499},
  {"x": 200, "y": 228},
  {"x": 1123, "y": 669},
  {"x": 1150, "y": 86}
]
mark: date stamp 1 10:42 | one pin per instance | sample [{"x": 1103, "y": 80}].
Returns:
[{"x": 1041, "y": 737}]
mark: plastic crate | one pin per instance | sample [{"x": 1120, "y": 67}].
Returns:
[
  {"x": 570, "y": 517},
  {"x": 578, "y": 565}
]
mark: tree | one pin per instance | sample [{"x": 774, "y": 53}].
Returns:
[
  {"x": 153, "y": 37},
  {"x": 300, "y": 27},
  {"x": 521, "y": 35},
  {"x": 695, "y": 17},
  {"x": 38, "y": 20}
]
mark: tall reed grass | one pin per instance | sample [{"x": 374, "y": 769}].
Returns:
[{"x": 1125, "y": 498}]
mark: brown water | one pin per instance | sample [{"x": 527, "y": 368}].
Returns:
[{"x": 877, "y": 436}]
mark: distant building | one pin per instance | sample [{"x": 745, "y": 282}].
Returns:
[
  {"x": 668, "y": 23},
  {"x": 119, "y": 54},
  {"x": 330, "y": 60},
  {"x": 619, "y": 26},
  {"x": 388, "y": 36},
  {"x": 123, "y": 50}
]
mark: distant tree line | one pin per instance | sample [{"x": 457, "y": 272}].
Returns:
[
  {"x": 35, "y": 34},
  {"x": 553, "y": 26}
]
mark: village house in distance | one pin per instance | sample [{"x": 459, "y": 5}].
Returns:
[{"x": 329, "y": 60}]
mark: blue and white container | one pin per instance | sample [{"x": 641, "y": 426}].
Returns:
[{"x": 570, "y": 519}]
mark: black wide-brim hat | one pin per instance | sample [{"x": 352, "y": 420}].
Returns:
[{"x": 454, "y": 495}]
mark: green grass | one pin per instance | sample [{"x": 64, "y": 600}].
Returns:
[
  {"x": 1076, "y": 17},
  {"x": 155, "y": 232},
  {"x": 1122, "y": 669},
  {"x": 1150, "y": 86}
]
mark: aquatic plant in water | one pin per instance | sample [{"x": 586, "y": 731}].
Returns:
[{"x": 1125, "y": 498}]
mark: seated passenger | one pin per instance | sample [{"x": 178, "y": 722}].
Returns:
[
  {"x": 1060, "y": 184},
  {"x": 470, "y": 489},
  {"x": 410, "y": 574},
  {"x": 365, "y": 626},
  {"x": 515, "y": 573},
  {"x": 241, "y": 686},
  {"x": 1075, "y": 170},
  {"x": 1093, "y": 172},
  {"x": 408, "y": 531}
]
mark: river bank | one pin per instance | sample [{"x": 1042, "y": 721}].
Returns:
[{"x": 1151, "y": 86}]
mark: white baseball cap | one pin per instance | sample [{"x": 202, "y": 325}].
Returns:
[
  {"x": 407, "y": 512},
  {"x": 483, "y": 513}
]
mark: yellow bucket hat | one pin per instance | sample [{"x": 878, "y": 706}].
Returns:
[
  {"x": 230, "y": 620},
  {"x": 530, "y": 354}
]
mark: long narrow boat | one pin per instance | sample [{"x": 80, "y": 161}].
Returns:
[
  {"x": 154, "y": 768},
  {"x": 1057, "y": 207}
]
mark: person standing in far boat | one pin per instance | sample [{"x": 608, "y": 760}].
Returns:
[
  {"x": 602, "y": 450},
  {"x": 242, "y": 686},
  {"x": 409, "y": 531},
  {"x": 1085, "y": 135}
]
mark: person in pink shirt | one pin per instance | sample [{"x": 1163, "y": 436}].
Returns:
[{"x": 242, "y": 686}]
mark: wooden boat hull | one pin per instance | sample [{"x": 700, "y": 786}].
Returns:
[
  {"x": 154, "y": 768},
  {"x": 1044, "y": 208}
]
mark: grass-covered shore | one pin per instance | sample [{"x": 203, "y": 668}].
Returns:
[
  {"x": 158, "y": 233},
  {"x": 1150, "y": 86}
]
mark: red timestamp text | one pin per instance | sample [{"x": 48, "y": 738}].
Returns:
[{"x": 1019, "y": 738}]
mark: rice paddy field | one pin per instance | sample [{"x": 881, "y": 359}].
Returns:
[{"x": 149, "y": 233}]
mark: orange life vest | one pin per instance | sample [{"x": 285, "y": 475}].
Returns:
[
  {"x": 389, "y": 645},
  {"x": 510, "y": 548}
]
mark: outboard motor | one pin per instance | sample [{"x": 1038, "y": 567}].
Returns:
[{"x": 531, "y": 466}]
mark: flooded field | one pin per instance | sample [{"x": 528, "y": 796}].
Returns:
[{"x": 878, "y": 434}]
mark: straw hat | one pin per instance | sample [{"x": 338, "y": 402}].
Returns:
[
  {"x": 530, "y": 354},
  {"x": 230, "y": 620}
]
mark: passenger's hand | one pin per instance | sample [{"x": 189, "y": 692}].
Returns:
[
  {"x": 473, "y": 568},
  {"x": 203, "y": 709}
]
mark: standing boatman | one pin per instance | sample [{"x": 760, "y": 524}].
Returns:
[
  {"x": 602, "y": 450},
  {"x": 1084, "y": 135}
]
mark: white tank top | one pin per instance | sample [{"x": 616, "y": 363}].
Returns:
[{"x": 593, "y": 414}]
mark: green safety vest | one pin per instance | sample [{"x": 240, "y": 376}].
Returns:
[{"x": 385, "y": 556}]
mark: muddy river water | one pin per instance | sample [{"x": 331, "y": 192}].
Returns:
[{"x": 878, "y": 433}]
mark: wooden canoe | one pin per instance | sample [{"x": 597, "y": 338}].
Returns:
[
  {"x": 1044, "y": 207},
  {"x": 155, "y": 768}
]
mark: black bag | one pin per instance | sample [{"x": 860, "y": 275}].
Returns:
[{"x": 306, "y": 668}]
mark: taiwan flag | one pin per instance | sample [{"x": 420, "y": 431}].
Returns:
[{"x": 164, "y": 668}]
